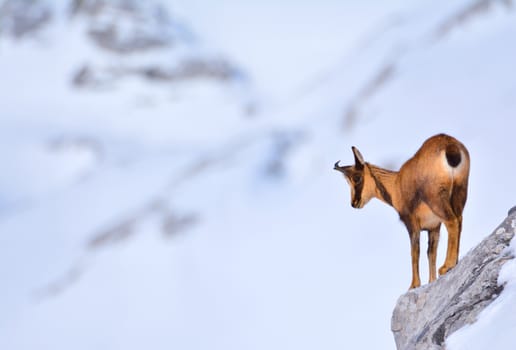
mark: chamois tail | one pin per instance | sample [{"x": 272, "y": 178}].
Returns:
[{"x": 453, "y": 155}]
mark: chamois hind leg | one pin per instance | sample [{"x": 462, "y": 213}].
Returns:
[
  {"x": 460, "y": 232},
  {"x": 442, "y": 207},
  {"x": 453, "y": 227},
  {"x": 433, "y": 241},
  {"x": 454, "y": 224}
]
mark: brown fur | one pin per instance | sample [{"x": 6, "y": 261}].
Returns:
[{"x": 428, "y": 190}]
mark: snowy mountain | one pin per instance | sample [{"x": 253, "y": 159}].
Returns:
[{"x": 167, "y": 178}]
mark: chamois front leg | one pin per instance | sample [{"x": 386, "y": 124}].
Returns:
[
  {"x": 414, "y": 253},
  {"x": 433, "y": 241},
  {"x": 414, "y": 232},
  {"x": 453, "y": 227}
]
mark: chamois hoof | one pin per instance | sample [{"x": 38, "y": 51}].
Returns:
[
  {"x": 443, "y": 269},
  {"x": 414, "y": 285}
]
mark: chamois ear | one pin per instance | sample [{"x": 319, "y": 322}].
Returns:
[{"x": 359, "y": 159}]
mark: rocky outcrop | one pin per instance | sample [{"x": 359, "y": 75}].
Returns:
[
  {"x": 21, "y": 18},
  {"x": 423, "y": 318},
  {"x": 128, "y": 26},
  {"x": 190, "y": 68},
  {"x": 128, "y": 30},
  {"x": 139, "y": 39}
]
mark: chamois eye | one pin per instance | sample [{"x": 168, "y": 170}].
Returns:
[{"x": 357, "y": 178}]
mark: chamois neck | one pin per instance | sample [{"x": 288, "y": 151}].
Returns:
[{"x": 385, "y": 181}]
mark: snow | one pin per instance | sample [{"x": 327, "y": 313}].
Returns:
[
  {"x": 496, "y": 325},
  {"x": 294, "y": 40},
  {"x": 274, "y": 256}
]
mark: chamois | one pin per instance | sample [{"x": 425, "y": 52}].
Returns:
[{"x": 428, "y": 190}]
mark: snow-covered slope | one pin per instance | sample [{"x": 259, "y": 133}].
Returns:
[{"x": 171, "y": 195}]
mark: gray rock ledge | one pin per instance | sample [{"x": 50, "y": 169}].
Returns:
[{"x": 424, "y": 317}]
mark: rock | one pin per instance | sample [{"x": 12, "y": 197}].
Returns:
[
  {"x": 127, "y": 26},
  {"x": 129, "y": 30},
  {"x": 18, "y": 19},
  {"x": 424, "y": 317},
  {"x": 215, "y": 69}
]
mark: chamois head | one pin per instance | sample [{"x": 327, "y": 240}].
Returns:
[{"x": 359, "y": 180}]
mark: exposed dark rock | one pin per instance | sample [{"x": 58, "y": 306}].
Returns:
[
  {"x": 131, "y": 28},
  {"x": 110, "y": 38},
  {"x": 60, "y": 285},
  {"x": 126, "y": 26},
  {"x": 475, "y": 9},
  {"x": 282, "y": 146},
  {"x": 174, "y": 223},
  {"x": 216, "y": 69},
  {"x": 425, "y": 317},
  {"x": 188, "y": 68},
  {"x": 21, "y": 18},
  {"x": 84, "y": 76},
  {"x": 115, "y": 234},
  {"x": 93, "y": 7}
]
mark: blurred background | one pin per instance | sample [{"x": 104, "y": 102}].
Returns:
[{"x": 167, "y": 175}]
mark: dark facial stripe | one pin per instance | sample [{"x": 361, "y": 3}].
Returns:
[
  {"x": 383, "y": 191},
  {"x": 358, "y": 192}
]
